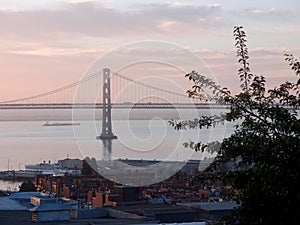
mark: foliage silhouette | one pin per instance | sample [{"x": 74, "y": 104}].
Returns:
[
  {"x": 89, "y": 166},
  {"x": 27, "y": 186},
  {"x": 261, "y": 159}
]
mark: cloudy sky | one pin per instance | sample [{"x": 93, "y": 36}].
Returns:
[{"x": 45, "y": 44}]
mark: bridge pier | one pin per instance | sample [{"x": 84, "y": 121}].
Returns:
[{"x": 106, "y": 110}]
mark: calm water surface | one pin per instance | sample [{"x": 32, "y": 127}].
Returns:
[
  {"x": 10, "y": 185},
  {"x": 24, "y": 139}
]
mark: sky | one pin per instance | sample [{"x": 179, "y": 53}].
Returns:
[{"x": 46, "y": 44}]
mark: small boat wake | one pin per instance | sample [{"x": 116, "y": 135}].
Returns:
[{"x": 60, "y": 124}]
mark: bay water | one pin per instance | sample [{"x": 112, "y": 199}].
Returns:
[{"x": 142, "y": 134}]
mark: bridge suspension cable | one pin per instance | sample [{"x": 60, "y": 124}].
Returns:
[
  {"x": 147, "y": 85},
  {"x": 63, "y": 88},
  {"x": 85, "y": 80}
]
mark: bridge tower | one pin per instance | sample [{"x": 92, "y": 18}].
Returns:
[{"x": 106, "y": 110}]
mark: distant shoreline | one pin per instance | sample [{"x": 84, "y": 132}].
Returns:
[
  {"x": 64, "y": 120},
  {"x": 77, "y": 116}
]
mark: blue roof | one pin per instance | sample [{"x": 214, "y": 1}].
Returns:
[
  {"x": 7, "y": 203},
  {"x": 27, "y": 195},
  {"x": 51, "y": 207}
]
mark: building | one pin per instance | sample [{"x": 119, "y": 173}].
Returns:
[
  {"x": 211, "y": 211},
  {"x": 127, "y": 193},
  {"x": 50, "y": 209},
  {"x": 73, "y": 187},
  {"x": 44, "y": 166},
  {"x": 72, "y": 164}
]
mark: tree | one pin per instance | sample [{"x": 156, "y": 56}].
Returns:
[
  {"x": 27, "y": 186},
  {"x": 264, "y": 150},
  {"x": 89, "y": 166}
]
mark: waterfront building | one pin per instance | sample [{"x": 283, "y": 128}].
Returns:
[
  {"x": 44, "y": 166},
  {"x": 70, "y": 164}
]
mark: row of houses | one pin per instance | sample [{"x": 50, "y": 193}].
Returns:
[
  {"x": 84, "y": 196},
  {"x": 96, "y": 191}
]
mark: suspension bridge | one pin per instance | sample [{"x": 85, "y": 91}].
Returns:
[
  {"x": 125, "y": 105},
  {"x": 155, "y": 97},
  {"x": 105, "y": 91}
]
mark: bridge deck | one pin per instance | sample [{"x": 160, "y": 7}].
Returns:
[{"x": 115, "y": 106}]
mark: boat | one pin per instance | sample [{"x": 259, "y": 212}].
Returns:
[{"x": 60, "y": 124}]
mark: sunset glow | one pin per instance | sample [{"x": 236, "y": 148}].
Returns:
[{"x": 47, "y": 44}]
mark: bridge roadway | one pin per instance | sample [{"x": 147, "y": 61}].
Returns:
[{"x": 115, "y": 106}]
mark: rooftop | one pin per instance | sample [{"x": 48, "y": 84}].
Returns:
[
  {"x": 8, "y": 203},
  {"x": 210, "y": 206}
]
